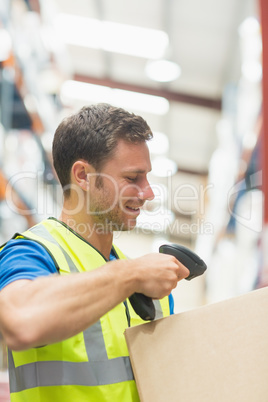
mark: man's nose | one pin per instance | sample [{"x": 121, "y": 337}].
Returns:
[{"x": 146, "y": 193}]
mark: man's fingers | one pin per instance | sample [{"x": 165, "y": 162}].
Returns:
[{"x": 183, "y": 272}]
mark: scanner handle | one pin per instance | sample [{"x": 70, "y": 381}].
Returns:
[{"x": 143, "y": 305}]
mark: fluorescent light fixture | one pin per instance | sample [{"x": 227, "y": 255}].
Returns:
[
  {"x": 111, "y": 36},
  {"x": 249, "y": 26},
  {"x": 251, "y": 48},
  {"x": 72, "y": 91},
  {"x": 252, "y": 71},
  {"x": 162, "y": 70}
]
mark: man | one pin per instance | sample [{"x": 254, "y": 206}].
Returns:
[{"x": 65, "y": 332}]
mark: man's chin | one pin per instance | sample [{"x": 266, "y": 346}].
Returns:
[{"x": 128, "y": 225}]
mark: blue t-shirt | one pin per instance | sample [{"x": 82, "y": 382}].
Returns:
[
  {"x": 27, "y": 259},
  {"x": 21, "y": 259}
]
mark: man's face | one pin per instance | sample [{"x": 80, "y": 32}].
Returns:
[{"x": 121, "y": 188}]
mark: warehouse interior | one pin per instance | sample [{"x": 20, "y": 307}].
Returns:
[{"x": 58, "y": 55}]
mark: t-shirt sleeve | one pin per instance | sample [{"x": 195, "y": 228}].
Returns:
[
  {"x": 24, "y": 259},
  {"x": 171, "y": 304}
]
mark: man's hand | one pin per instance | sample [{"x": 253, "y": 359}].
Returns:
[{"x": 157, "y": 274}]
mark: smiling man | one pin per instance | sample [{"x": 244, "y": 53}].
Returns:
[
  {"x": 65, "y": 286},
  {"x": 117, "y": 190}
]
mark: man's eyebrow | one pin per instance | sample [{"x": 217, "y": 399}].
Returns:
[{"x": 137, "y": 171}]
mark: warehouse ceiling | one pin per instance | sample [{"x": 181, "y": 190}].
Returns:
[{"x": 203, "y": 40}]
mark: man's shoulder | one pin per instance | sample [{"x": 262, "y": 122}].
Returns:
[
  {"x": 24, "y": 259},
  {"x": 23, "y": 248}
]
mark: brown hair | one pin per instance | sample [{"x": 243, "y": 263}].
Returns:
[{"x": 92, "y": 134}]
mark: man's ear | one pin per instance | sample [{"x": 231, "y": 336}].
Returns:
[{"x": 80, "y": 174}]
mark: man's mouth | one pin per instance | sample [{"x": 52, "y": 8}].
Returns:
[{"x": 133, "y": 210}]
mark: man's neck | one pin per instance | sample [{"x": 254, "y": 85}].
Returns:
[{"x": 100, "y": 240}]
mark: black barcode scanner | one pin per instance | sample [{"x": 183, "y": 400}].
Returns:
[{"x": 143, "y": 305}]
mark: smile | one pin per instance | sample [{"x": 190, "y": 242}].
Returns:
[{"x": 133, "y": 210}]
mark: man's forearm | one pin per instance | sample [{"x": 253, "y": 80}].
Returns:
[{"x": 50, "y": 309}]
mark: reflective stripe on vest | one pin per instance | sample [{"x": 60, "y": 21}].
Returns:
[
  {"x": 57, "y": 373},
  {"x": 96, "y": 357},
  {"x": 42, "y": 232}
]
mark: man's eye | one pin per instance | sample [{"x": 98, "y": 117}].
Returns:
[{"x": 132, "y": 178}]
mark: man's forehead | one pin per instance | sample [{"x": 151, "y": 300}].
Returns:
[
  {"x": 137, "y": 170},
  {"x": 135, "y": 156}
]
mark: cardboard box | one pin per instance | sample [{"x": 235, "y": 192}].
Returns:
[{"x": 215, "y": 353}]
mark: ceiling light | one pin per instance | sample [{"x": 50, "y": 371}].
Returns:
[
  {"x": 252, "y": 71},
  {"x": 249, "y": 26},
  {"x": 72, "y": 91},
  {"x": 111, "y": 36},
  {"x": 162, "y": 70}
]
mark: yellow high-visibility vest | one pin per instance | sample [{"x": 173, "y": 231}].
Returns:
[{"x": 93, "y": 365}]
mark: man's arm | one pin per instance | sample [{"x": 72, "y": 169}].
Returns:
[{"x": 49, "y": 309}]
